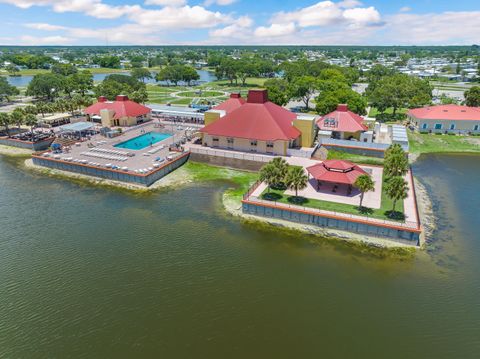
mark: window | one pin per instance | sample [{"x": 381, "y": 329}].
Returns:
[
  {"x": 475, "y": 128},
  {"x": 215, "y": 139},
  {"x": 452, "y": 126},
  {"x": 269, "y": 144},
  {"x": 230, "y": 140},
  {"x": 425, "y": 126},
  {"x": 438, "y": 126},
  {"x": 253, "y": 142}
]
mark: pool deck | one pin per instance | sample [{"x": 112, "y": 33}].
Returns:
[{"x": 141, "y": 159}]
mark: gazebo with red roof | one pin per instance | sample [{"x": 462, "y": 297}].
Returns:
[
  {"x": 121, "y": 112},
  {"x": 343, "y": 123},
  {"x": 336, "y": 172}
]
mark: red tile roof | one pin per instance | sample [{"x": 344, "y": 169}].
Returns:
[
  {"x": 336, "y": 171},
  {"x": 234, "y": 102},
  {"x": 446, "y": 112},
  {"x": 342, "y": 120},
  {"x": 257, "y": 119},
  {"x": 122, "y": 107}
]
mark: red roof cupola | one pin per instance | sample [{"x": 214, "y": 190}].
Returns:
[
  {"x": 257, "y": 96},
  {"x": 121, "y": 98},
  {"x": 102, "y": 99},
  {"x": 342, "y": 108},
  {"x": 235, "y": 95}
]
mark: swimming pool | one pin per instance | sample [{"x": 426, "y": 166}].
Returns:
[{"x": 142, "y": 141}]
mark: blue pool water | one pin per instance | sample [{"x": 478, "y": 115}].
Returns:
[{"x": 142, "y": 141}]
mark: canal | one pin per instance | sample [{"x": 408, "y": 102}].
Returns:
[{"x": 94, "y": 273}]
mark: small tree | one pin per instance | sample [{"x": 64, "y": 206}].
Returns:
[
  {"x": 18, "y": 116},
  {"x": 281, "y": 170},
  {"x": 6, "y": 121},
  {"x": 30, "y": 120},
  {"x": 396, "y": 189},
  {"x": 296, "y": 179},
  {"x": 396, "y": 161},
  {"x": 268, "y": 174},
  {"x": 364, "y": 183}
]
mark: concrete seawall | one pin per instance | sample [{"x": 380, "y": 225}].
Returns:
[
  {"x": 227, "y": 162},
  {"x": 115, "y": 175},
  {"x": 37, "y": 146},
  {"x": 403, "y": 235}
]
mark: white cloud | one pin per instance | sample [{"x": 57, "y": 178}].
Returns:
[
  {"x": 326, "y": 13},
  {"x": 166, "y": 2},
  {"x": 44, "y": 26},
  {"x": 219, "y": 2},
  {"x": 362, "y": 16},
  {"x": 186, "y": 17},
  {"x": 47, "y": 40},
  {"x": 427, "y": 29},
  {"x": 405, "y": 9},
  {"x": 275, "y": 30},
  {"x": 239, "y": 30}
]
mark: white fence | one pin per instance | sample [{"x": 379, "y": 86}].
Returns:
[{"x": 231, "y": 154}]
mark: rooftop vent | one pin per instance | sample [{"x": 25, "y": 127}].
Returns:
[{"x": 257, "y": 96}]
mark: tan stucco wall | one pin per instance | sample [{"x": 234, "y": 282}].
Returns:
[
  {"x": 461, "y": 126},
  {"x": 242, "y": 144},
  {"x": 307, "y": 129}
]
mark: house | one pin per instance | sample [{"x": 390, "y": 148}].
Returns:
[
  {"x": 446, "y": 119},
  {"x": 256, "y": 124},
  {"x": 344, "y": 124},
  {"x": 121, "y": 112}
]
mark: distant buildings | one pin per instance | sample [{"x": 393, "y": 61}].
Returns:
[
  {"x": 446, "y": 119},
  {"x": 121, "y": 112},
  {"x": 256, "y": 125}
]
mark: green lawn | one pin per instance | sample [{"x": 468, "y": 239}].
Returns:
[
  {"x": 250, "y": 82},
  {"x": 380, "y": 213},
  {"x": 432, "y": 143},
  {"x": 193, "y": 94},
  {"x": 374, "y": 111},
  {"x": 340, "y": 155},
  {"x": 241, "y": 180}
]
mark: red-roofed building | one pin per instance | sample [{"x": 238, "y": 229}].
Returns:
[
  {"x": 121, "y": 112},
  {"x": 256, "y": 125},
  {"x": 336, "y": 172},
  {"x": 446, "y": 119},
  {"x": 343, "y": 123}
]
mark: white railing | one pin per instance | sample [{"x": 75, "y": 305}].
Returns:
[
  {"x": 362, "y": 145},
  {"x": 231, "y": 154}
]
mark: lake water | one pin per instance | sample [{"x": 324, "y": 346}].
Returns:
[
  {"x": 23, "y": 81},
  {"x": 98, "y": 273}
]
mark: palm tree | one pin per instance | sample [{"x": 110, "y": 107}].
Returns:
[
  {"x": 268, "y": 174},
  {"x": 395, "y": 164},
  {"x": 5, "y": 121},
  {"x": 18, "y": 116},
  {"x": 364, "y": 183},
  {"x": 396, "y": 188},
  {"x": 281, "y": 167},
  {"x": 296, "y": 179},
  {"x": 31, "y": 121}
]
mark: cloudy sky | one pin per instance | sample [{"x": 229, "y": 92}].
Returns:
[{"x": 159, "y": 22}]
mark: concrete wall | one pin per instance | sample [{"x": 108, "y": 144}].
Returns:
[
  {"x": 242, "y": 144},
  {"x": 320, "y": 221},
  {"x": 38, "y": 146},
  {"x": 143, "y": 180},
  {"x": 227, "y": 162},
  {"x": 356, "y": 150}
]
